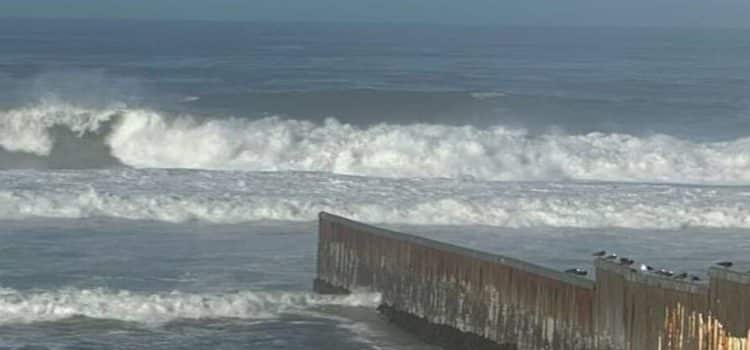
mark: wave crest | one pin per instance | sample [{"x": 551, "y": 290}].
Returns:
[
  {"x": 146, "y": 138},
  {"x": 28, "y": 129}
]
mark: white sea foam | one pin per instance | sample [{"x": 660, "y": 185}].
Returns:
[
  {"x": 487, "y": 95},
  {"x": 27, "y": 129},
  {"x": 37, "y": 306},
  {"x": 145, "y": 138},
  {"x": 189, "y": 99},
  {"x": 237, "y": 197}
]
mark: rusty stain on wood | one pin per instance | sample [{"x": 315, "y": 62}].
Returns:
[{"x": 508, "y": 301}]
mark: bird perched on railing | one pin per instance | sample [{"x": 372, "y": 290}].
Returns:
[
  {"x": 725, "y": 264},
  {"x": 626, "y": 261},
  {"x": 577, "y": 271},
  {"x": 664, "y": 272},
  {"x": 600, "y": 254},
  {"x": 681, "y": 276}
]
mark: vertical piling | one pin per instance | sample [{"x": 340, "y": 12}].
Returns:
[{"x": 467, "y": 299}]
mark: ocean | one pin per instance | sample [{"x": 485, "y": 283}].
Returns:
[{"x": 160, "y": 181}]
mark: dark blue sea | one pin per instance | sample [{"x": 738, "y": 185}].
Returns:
[{"x": 160, "y": 181}]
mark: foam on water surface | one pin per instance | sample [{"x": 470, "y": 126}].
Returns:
[
  {"x": 548, "y": 139},
  {"x": 35, "y": 306},
  {"x": 237, "y": 197},
  {"x": 148, "y": 138}
]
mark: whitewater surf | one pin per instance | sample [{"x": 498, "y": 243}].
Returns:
[
  {"x": 160, "y": 181},
  {"x": 147, "y": 138}
]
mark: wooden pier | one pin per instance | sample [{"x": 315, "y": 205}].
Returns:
[{"x": 467, "y": 299}]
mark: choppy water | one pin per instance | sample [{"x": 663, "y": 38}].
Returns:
[
  {"x": 112, "y": 284},
  {"x": 159, "y": 181}
]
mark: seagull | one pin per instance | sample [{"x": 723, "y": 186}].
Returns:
[
  {"x": 664, "y": 272},
  {"x": 645, "y": 267},
  {"x": 579, "y": 272},
  {"x": 600, "y": 253},
  {"x": 725, "y": 264},
  {"x": 612, "y": 256},
  {"x": 626, "y": 261},
  {"x": 681, "y": 276}
]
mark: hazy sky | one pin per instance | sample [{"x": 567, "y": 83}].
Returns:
[{"x": 725, "y": 13}]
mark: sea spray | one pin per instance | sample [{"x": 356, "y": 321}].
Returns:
[{"x": 145, "y": 138}]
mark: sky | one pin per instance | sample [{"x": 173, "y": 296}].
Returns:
[{"x": 680, "y": 13}]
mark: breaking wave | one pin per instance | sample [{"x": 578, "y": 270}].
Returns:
[
  {"x": 39, "y": 306},
  {"x": 238, "y": 197},
  {"x": 144, "y": 138}
]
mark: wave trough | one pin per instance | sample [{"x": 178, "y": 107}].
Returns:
[{"x": 145, "y": 138}]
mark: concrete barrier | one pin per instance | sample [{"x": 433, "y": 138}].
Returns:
[{"x": 467, "y": 299}]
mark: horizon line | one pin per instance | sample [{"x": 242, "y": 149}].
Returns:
[{"x": 341, "y": 22}]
